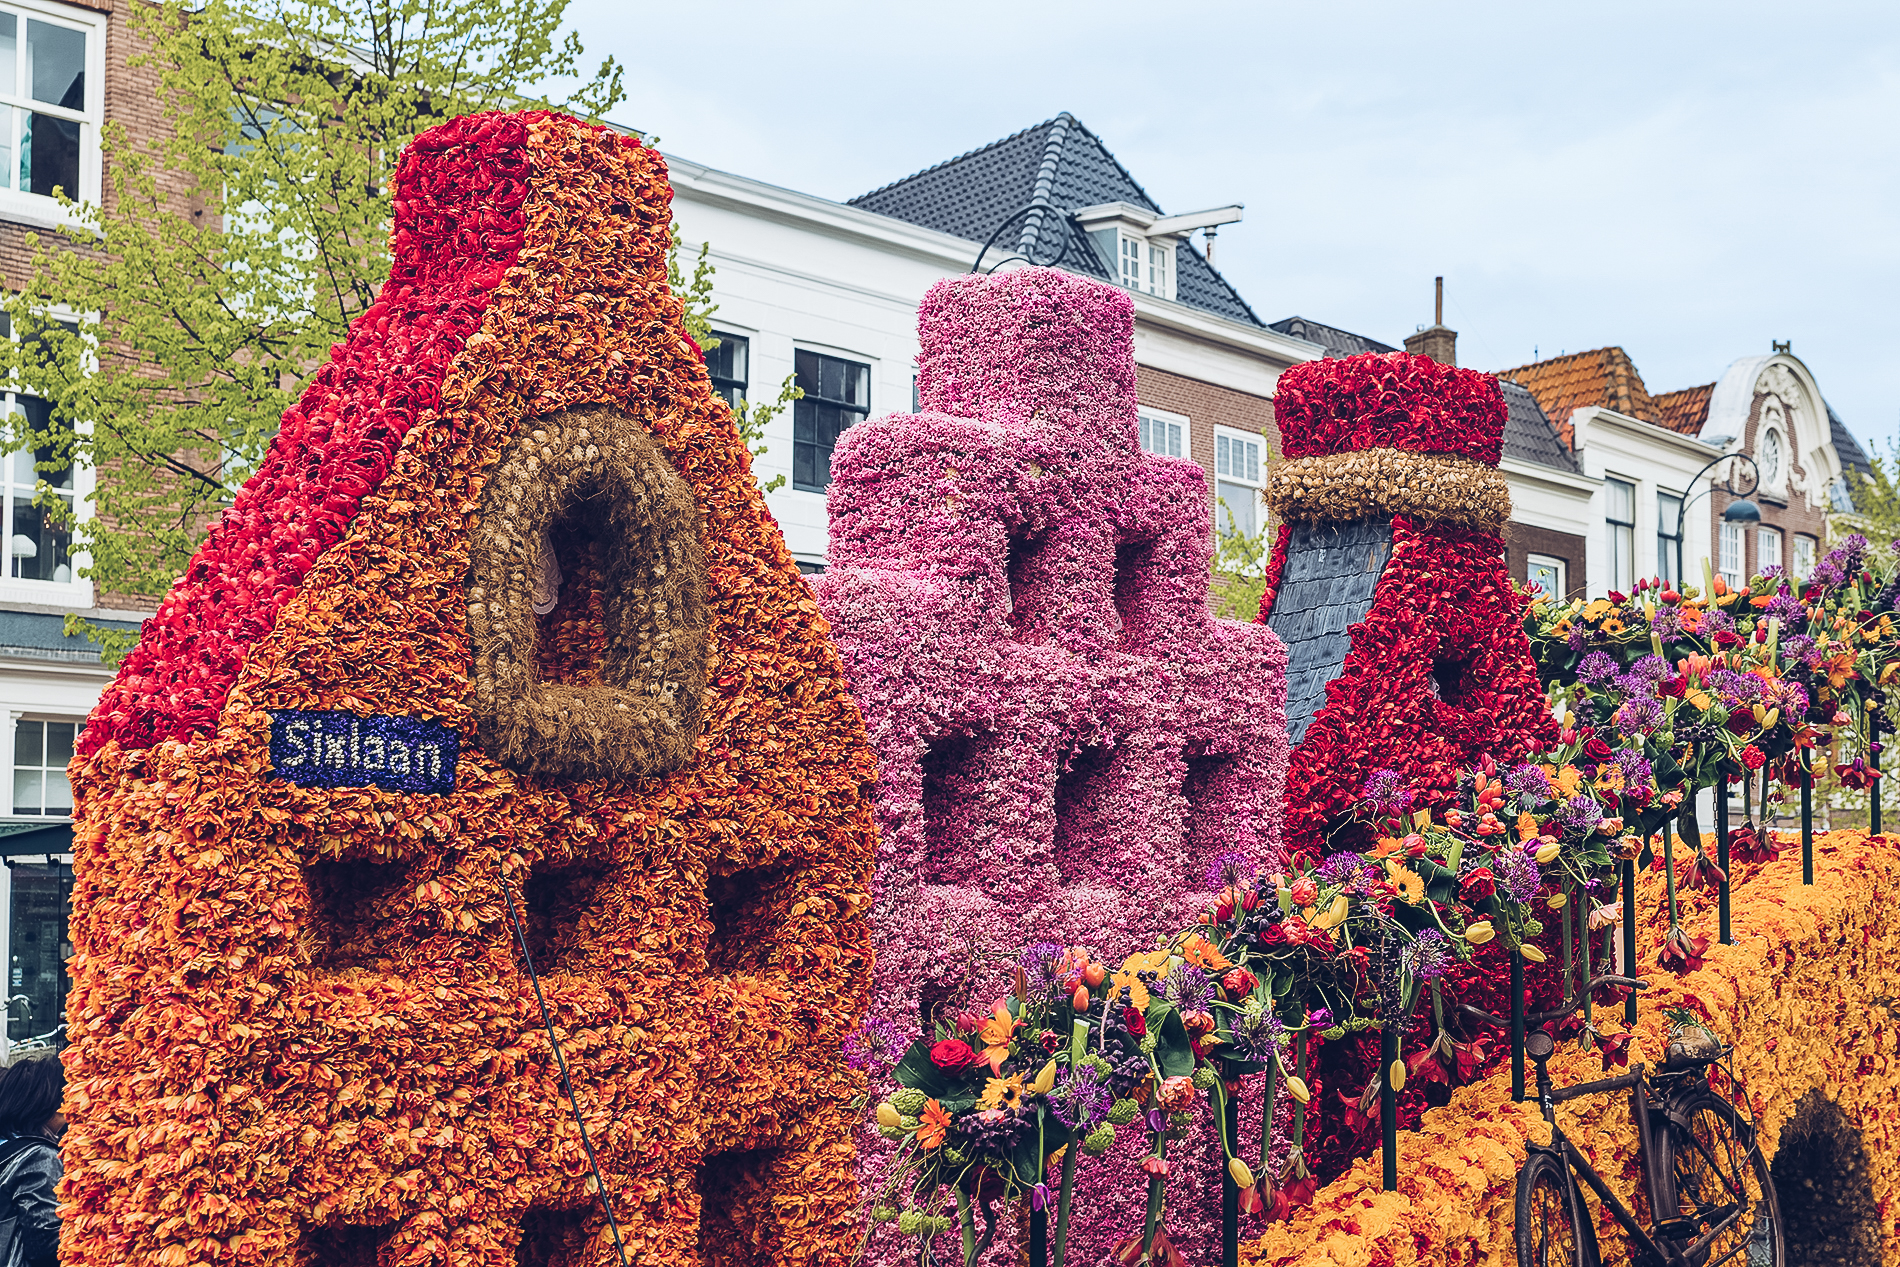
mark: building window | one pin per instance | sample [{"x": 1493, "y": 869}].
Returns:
[
  {"x": 1734, "y": 562},
  {"x": 1147, "y": 266},
  {"x": 1160, "y": 260},
  {"x": 837, "y": 394},
  {"x": 39, "y": 536},
  {"x": 1162, "y": 434},
  {"x": 1547, "y": 574},
  {"x": 41, "y": 750},
  {"x": 1767, "y": 549},
  {"x": 1619, "y": 515},
  {"x": 49, "y": 136},
  {"x": 1131, "y": 263},
  {"x": 39, "y": 902},
  {"x": 1769, "y": 463},
  {"x": 1237, "y": 480},
  {"x": 1668, "y": 543},
  {"x": 1804, "y": 548},
  {"x": 727, "y": 365}
]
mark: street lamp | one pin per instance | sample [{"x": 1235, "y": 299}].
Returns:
[{"x": 1739, "y": 511}]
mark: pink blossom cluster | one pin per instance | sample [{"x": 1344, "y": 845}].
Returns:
[{"x": 1067, "y": 739}]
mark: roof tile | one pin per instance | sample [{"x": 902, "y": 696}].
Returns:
[
  {"x": 1603, "y": 377},
  {"x": 1684, "y": 410}
]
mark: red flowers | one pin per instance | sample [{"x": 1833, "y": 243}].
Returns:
[
  {"x": 953, "y": 1054},
  {"x": 1752, "y": 757},
  {"x": 1137, "y": 1023},
  {"x": 1597, "y": 750},
  {"x": 1304, "y": 892},
  {"x": 1396, "y": 401},
  {"x": 1240, "y": 982},
  {"x": 1479, "y": 885}
]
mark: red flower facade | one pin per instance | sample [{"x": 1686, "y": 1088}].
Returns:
[{"x": 1437, "y": 673}]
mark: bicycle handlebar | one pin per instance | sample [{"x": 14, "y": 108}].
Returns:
[
  {"x": 1622, "y": 1082},
  {"x": 1570, "y": 1005}
]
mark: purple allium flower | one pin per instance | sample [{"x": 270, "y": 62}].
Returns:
[
  {"x": 1188, "y": 988},
  {"x": 1517, "y": 871},
  {"x": 1734, "y": 688},
  {"x": 1429, "y": 956},
  {"x": 1596, "y": 669},
  {"x": 1384, "y": 793},
  {"x": 1773, "y": 572},
  {"x": 1786, "y": 608},
  {"x": 1039, "y": 966},
  {"x": 1528, "y": 780},
  {"x": 1716, "y": 621},
  {"x": 1080, "y": 1098},
  {"x": 1340, "y": 868},
  {"x": 1790, "y": 697},
  {"x": 1229, "y": 867},
  {"x": 1579, "y": 634},
  {"x": 1257, "y": 1035},
  {"x": 1638, "y": 716},
  {"x": 1635, "y": 767},
  {"x": 1667, "y": 622},
  {"x": 1579, "y": 815},
  {"x": 873, "y": 1044}
]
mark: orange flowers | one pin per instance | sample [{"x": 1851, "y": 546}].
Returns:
[
  {"x": 1202, "y": 953},
  {"x": 996, "y": 1033},
  {"x": 935, "y": 1122}
]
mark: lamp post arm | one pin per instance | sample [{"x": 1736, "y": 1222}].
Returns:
[{"x": 1727, "y": 486}]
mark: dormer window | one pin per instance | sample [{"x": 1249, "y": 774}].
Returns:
[
  {"x": 1146, "y": 265},
  {"x": 1139, "y": 244}
]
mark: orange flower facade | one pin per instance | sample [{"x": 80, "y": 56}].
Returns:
[{"x": 503, "y": 628}]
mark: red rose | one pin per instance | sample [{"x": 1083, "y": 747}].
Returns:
[
  {"x": 953, "y": 1054},
  {"x": 1239, "y": 982},
  {"x": 1673, "y": 687},
  {"x": 1597, "y": 750},
  {"x": 1752, "y": 757},
  {"x": 1479, "y": 885},
  {"x": 1304, "y": 892},
  {"x": 1137, "y": 1023}
]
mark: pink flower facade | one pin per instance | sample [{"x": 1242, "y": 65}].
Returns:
[{"x": 1068, "y": 742}]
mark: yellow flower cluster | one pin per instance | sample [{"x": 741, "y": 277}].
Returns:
[{"x": 1804, "y": 996}]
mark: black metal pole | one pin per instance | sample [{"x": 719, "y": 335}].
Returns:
[
  {"x": 1629, "y": 937},
  {"x": 1229, "y": 1190},
  {"x": 1388, "y": 1107},
  {"x": 1721, "y": 852},
  {"x": 1873, "y": 761},
  {"x": 1517, "y": 1026},
  {"x": 1039, "y": 1237},
  {"x": 1807, "y": 818}
]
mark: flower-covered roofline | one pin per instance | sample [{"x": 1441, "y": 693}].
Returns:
[{"x": 1391, "y": 400}]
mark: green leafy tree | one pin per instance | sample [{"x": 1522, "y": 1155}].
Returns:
[
  {"x": 1239, "y": 576},
  {"x": 230, "y": 254},
  {"x": 1876, "y": 499}
]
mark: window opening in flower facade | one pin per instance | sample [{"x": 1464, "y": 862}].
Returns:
[
  {"x": 1162, "y": 434},
  {"x": 1546, "y": 574},
  {"x": 1804, "y": 548},
  {"x": 1237, "y": 480},
  {"x": 1767, "y": 549},
  {"x": 727, "y": 365},
  {"x": 41, "y": 750},
  {"x": 837, "y": 394},
  {"x": 1668, "y": 543},
  {"x": 1734, "y": 562},
  {"x": 38, "y": 491},
  {"x": 48, "y": 127},
  {"x": 1619, "y": 517},
  {"x": 39, "y": 907},
  {"x": 1084, "y": 808}
]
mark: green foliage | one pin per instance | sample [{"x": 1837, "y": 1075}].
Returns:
[
  {"x": 1876, "y": 498},
  {"x": 203, "y": 311},
  {"x": 1240, "y": 568},
  {"x": 696, "y": 293}
]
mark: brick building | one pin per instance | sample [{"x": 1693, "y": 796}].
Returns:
[{"x": 64, "y": 74}]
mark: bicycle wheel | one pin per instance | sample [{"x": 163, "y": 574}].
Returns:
[
  {"x": 1547, "y": 1232},
  {"x": 1717, "y": 1177}
]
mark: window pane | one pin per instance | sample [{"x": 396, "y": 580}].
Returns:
[
  {"x": 1769, "y": 545},
  {"x": 9, "y": 53},
  {"x": 1252, "y": 471},
  {"x": 40, "y": 550},
  {"x": 29, "y": 743},
  {"x": 1174, "y": 439},
  {"x": 1620, "y": 501},
  {"x": 49, "y": 156},
  {"x": 56, "y": 64},
  {"x": 37, "y": 933},
  {"x": 59, "y": 793},
  {"x": 1237, "y": 512},
  {"x": 805, "y": 365},
  {"x": 26, "y": 792},
  {"x": 59, "y": 743}
]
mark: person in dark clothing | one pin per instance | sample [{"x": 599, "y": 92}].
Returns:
[{"x": 30, "y": 1122}]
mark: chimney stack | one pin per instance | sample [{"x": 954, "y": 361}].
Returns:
[{"x": 1435, "y": 340}]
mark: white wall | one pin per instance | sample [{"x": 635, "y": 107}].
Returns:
[{"x": 1655, "y": 459}]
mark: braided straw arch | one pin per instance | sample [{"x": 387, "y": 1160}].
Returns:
[{"x": 598, "y": 469}]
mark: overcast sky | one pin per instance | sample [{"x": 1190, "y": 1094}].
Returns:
[{"x": 1690, "y": 181}]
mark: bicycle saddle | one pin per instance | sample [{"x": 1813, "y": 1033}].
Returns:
[{"x": 1690, "y": 1047}]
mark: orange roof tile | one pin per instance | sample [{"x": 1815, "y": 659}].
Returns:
[
  {"x": 1686, "y": 410},
  {"x": 1603, "y": 377}
]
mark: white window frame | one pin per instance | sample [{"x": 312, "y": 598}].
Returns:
[
  {"x": 39, "y": 718},
  {"x": 1801, "y": 559},
  {"x": 1768, "y": 545},
  {"x": 1733, "y": 565},
  {"x": 1146, "y": 264},
  {"x": 1161, "y": 433},
  {"x": 1619, "y": 536},
  {"x": 77, "y": 592},
  {"x": 1557, "y": 567},
  {"x": 1255, "y": 481},
  {"x": 39, "y": 208}
]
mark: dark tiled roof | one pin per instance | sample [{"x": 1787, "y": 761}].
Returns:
[
  {"x": 1853, "y": 457},
  {"x": 1337, "y": 342},
  {"x": 1528, "y": 435},
  {"x": 1064, "y": 165},
  {"x": 1686, "y": 410},
  {"x": 1330, "y": 573},
  {"x": 1604, "y": 377},
  {"x": 42, "y": 636}
]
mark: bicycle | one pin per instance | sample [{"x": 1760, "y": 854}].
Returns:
[{"x": 1701, "y": 1162}]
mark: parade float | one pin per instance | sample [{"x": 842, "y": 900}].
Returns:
[{"x": 483, "y": 856}]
